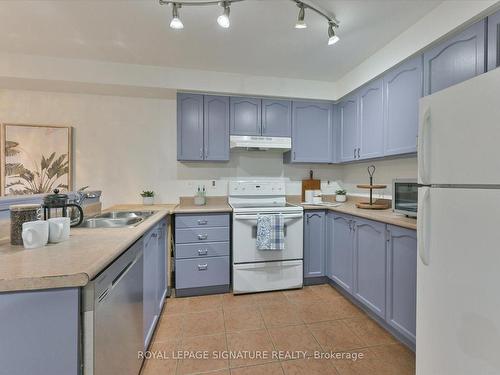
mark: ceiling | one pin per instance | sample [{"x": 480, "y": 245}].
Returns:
[{"x": 261, "y": 40}]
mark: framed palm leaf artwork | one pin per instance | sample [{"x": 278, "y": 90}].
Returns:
[{"x": 35, "y": 159}]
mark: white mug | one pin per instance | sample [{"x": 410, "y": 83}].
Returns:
[
  {"x": 35, "y": 234},
  {"x": 59, "y": 229}
]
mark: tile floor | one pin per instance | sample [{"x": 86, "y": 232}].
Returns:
[{"x": 312, "y": 320}]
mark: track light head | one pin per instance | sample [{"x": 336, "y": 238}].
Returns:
[
  {"x": 176, "y": 22},
  {"x": 301, "y": 24},
  {"x": 332, "y": 37},
  {"x": 223, "y": 19}
]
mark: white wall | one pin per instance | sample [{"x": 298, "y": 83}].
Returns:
[{"x": 123, "y": 145}]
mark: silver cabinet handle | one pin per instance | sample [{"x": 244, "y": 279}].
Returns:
[
  {"x": 201, "y": 152},
  {"x": 358, "y": 152},
  {"x": 202, "y": 267},
  {"x": 202, "y": 222},
  {"x": 202, "y": 252},
  {"x": 202, "y": 237}
]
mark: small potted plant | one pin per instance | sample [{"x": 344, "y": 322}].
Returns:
[
  {"x": 148, "y": 197},
  {"x": 341, "y": 195}
]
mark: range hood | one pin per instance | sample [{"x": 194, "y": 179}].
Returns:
[{"x": 258, "y": 143}]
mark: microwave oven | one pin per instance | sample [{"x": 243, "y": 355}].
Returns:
[{"x": 405, "y": 196}]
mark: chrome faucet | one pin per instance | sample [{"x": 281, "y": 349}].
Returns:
[{"x": 82, "y": 195}]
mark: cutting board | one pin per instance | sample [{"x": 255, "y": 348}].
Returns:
[{"x": 310, "y": 184}]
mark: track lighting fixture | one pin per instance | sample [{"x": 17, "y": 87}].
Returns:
[
  {"x": 176, "y": 22},
  {"x": 301, "y": 24},
  {"x": 332, "y": 37},
  {"x": 223, "y": 19}
]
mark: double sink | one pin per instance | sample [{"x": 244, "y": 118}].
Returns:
[{"x": 117, "y": 219}]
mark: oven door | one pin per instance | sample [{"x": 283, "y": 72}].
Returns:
[{"x": 245, "y": 239}]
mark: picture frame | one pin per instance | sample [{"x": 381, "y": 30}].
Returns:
[{"x": 35, "y": 159}]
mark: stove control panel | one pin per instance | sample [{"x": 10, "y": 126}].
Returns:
[{"x": 256, "y": 188}]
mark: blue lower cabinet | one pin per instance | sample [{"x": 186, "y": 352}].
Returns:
[
  {"x": 402, "y": 280},
  {"x": 340, "y": 250},
  {"x": 370, "y": 264},
  {"x": 314, "y": 244},
  {"x": 202, "y": 254}
]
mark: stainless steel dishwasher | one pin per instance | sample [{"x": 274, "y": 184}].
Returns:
[{"x": 112, "y": 317}]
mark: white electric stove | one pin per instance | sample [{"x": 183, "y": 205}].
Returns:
[{"x": 264, "y": 270}]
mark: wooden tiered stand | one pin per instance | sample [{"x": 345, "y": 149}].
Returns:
[{"x": 371, "y": 205}]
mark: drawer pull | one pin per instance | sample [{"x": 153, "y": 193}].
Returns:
[
  {"x": 202, "y": 267},
  {"x": 202, "y": 252},
  {"x": 202, "y": 222},
  {"x": 202, "y": 236}
]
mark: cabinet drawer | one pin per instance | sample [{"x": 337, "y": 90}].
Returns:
[
  {"x": 202, "y": 250},
  {"x": 196, "y": 273},
  {"x": 196, "y": 221},
  {"x": 201, "y": 235}
]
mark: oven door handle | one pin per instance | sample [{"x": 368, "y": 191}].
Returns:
[{"x": 254, "y": 217}]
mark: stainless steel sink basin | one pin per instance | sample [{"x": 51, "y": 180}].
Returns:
[{"x": 117, "y": 219}]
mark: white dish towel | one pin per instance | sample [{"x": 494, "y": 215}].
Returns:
[{"x": 270, "y": 232}]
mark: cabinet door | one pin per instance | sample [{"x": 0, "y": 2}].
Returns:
[
  {"x": 276, "y": 118},
  {"x": 402, "y": 90},
  {"x": 455, "y": 60},
  {"x": 348, "y": 126},
  {"x": 314, "y": 244},
  {"x": 312, "y": 132},
  {"x": 402, "y": 280},
  {"x": 342, "y": 252},
  {"x": 370, "y": 264},
  {"x": 371, "y": 120},
  {"x": 245, "y": 116},
  {"x": 494, "y": 41},
  {"x": 161, "y": 290},
  {"x": 150, "y": 284},
  {"x": 216, "y": 128},
  {"x": 189, "y": 127}
]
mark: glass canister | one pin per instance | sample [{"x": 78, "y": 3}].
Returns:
[{"x": 19, "y": 214}]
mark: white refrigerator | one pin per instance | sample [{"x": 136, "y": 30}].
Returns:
[{"x": 458, "y": 271}]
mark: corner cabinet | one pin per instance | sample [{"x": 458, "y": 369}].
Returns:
[
  {"x": 402, "y": 91},
  {"x": 455, "y": 60},
  {"x": 494, "y": 41},
  {"x": 370, "y": 264},
  {"x": 202, "y": 127},
  {"x": 347, "y": 112},
  {"x": 340, "y": 250},
  {"x": 402, "y": 280},
  {"x": 314, "y": 245},
  {"x": 312, "y": 132}
]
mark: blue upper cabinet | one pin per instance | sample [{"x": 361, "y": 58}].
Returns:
[
  {"x": 402, "y": 90},
  {"x": 402, "y": 280},
  {"x": 347, "y": 113},
  {"x": 245, "y": 116},
  {"x": 312, "y": 124},
  {"x": 189, "y": 127},
  {"x": 370, "y": 264},
  {"x": 494, "y": 41},
  {"x": 455, "y": 60},
  {"x": 216, "y": 128},
  {"x": 276, "y": 118},
  {"x": 314, "y": 244},
  {"x": 371, "y": 121}
]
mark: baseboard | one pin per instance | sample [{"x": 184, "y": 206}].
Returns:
[
  {"x": 315, "y": 280},
  {"x": 202, "y": 291}
]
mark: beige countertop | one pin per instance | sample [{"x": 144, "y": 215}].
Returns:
[
  {"x": 349, "y": 207},
  {"x": 214, "y": 204},
  {"x": 71, "y": 263}
]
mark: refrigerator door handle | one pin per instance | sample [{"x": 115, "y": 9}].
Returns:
[
  {"x": 426, "y": 122},
  {"x": 422, "y": 225}
]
